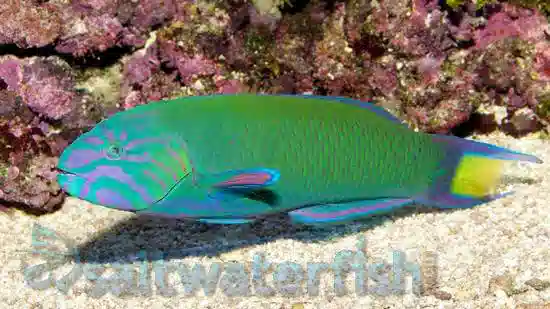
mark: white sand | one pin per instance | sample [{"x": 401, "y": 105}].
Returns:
[{"x": 484, "y": 255}]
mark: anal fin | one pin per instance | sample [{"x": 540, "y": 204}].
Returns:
[
  {"x": 226, "y": 221},
  {"x": 344, "y": 212}
]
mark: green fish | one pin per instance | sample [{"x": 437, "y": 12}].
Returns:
[{"x": 232, "y": 159}]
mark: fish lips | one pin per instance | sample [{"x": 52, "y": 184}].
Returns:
[{"x": 70, "y": 182}]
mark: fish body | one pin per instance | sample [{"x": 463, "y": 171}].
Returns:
[{"x": 236, "y": 158}]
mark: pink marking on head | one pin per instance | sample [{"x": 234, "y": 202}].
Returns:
[
  {"x": 165, "y": 168},
  {"x": 82, "y": 157},
  {"x": 177, "y": 158},
  {"x": 159, "y": 140},
  {"x": 110, "y": 136},
  {"x": 183, "y": 144},
  {"x": 112, "y": 198},
  {"x": 116, "y": 173},
  {"x": 145, "y": 157},
  {"x": 155, "y": 179},
  {"x": 123, "y": 136},
  {"x": 141, "y": 141},
  {"x": 85, "y": 188},
  {"x": 94, "y": 140},
  {"x": 164, "y": 141}
]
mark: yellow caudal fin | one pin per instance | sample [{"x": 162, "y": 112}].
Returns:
[
  {"x": 473, "y": 172},
  {"x": 477, "y": 176}
]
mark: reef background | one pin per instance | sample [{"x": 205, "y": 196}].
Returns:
[{"x": 452, "y": 66}]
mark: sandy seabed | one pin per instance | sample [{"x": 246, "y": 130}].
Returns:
[{"x": 493, "y": 256}]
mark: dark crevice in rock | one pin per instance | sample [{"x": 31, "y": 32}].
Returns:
[
  {"x": 477, "y": 123},
  {"x": 240, "y": 19},
  {"x": 13, "y": 49},
  {"x": 465, "y": 44},
  {"x": 374, "y": 45},
  {"x": 97, "y": 60},
  {"x": 453, "y": 15},
  {"x": 320, "y": 90},
  {"x": 294, "y": 6},
  {"x": 291, "y": 7}
]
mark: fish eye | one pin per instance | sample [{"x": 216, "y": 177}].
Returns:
[{"x": 114, "y": 152}]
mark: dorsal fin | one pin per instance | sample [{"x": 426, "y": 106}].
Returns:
[{"x": 370, "y": 106}]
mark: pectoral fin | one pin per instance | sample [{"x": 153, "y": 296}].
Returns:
[
  {"x": 190, "y": 201},
  {"x": 345, "y": 212},
  {"x": 244, "y": 179}
]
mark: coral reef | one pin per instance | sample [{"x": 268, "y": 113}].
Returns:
[
  {"x": 81, "y": 27},
  {"x": 41, "y": 112},
  {"x": 438, "y": 65}
]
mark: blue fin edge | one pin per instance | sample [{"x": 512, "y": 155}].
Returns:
[{"x": 368, "y": 105}]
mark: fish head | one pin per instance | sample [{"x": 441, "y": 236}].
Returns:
[{"x": 127, "y": 162}]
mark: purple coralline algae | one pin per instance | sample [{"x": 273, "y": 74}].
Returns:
[{"x": 65, "y": 65}]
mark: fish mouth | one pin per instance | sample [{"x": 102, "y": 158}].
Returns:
[
  {"x": 62, "y": 171},
  {"x": 69, "y": 181}
]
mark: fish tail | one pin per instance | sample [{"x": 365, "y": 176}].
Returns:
[{"x": 473, "y": 171}]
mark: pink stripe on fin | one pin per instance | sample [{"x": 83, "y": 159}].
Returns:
[
  {"x": 250, "y": 178},
  {"x": 346, "y": 212}
]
